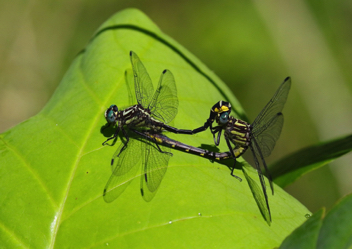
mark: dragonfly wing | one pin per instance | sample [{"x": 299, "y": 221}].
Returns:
[
  {"x": 258, "y": 154},
  {"x": 142, "y": 83},
  {"x": 124, "y": 167},
  {"x": 154, "y": 168},
  {"x": 253, "y": 148},
  {"x": 130, "y": 87},
  {"x": 275, "y": 105},
  {"x": 164, "y": 103},
  {"x": 267, "y": 134}
]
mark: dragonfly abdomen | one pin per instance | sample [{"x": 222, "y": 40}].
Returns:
[{"x": 238, "y": 151}]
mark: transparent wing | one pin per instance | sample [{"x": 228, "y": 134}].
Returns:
[
  {"x": 261, "y": 177},
  {"x": 259, "y": 197},
  {"x": 267, "y": 134},
  {"x": 154, "y": 168},
  {"x": 164, "y": 104},
  {"x": 257, "y": 153},
  {"x": 275, "y": 105},
  {"x": 130, "y": 87},
  {"x": 142, "y": 83},
  {"x": 124, "y": 169}
]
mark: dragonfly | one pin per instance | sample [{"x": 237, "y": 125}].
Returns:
[
  {"x": 153, "y": 111},
  {"x": 260, "y": 136}
]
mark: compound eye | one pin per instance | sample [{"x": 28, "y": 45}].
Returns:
[
  {"x": 114, "y": 108},
  {"x": 110, "y": 114},
  {"x": 224, "y": 118}
]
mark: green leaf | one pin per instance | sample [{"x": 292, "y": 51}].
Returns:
[
  {"x": 336, "y": 231},
  {"x": 332, "y": 231},
  {"x": 305, "y": 236},
  {"x": 290, "y": 168},
  {"x": 54, "y": 167}
]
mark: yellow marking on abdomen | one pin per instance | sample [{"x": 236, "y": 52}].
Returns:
[{"x": 239, "y": 151}]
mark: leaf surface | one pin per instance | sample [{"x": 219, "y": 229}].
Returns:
[
  {"x": 290, "y": 168},
  {"x": 330, "y": 232},
  {"x": 54, "y": 167}
]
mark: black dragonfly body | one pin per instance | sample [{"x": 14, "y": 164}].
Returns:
[
  {"x": 159, "y": 138},
  {"x": 153, "y": 112}
]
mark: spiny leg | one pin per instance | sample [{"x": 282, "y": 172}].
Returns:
[
  {"x": 217, "y": 142},
  {"x": 234, "y": 157},
  {"x": 214, "y": 130}
]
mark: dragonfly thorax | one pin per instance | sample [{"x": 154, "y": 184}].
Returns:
[
  {"x": 135, "y": 114},
  {"x": 239, "y": 132}
]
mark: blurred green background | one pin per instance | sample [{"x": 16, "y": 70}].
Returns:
[{"x": 251, "y": 45}]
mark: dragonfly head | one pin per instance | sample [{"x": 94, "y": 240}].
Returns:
[
  {"x": 111, "y": 114},
  {"x": 222, "y": 111}
]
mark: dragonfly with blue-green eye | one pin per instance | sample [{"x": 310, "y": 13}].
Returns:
[
  {"x": 260, "y": 136},
  {"x": 153, "y": 111}
]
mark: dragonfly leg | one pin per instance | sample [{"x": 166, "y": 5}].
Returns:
[
  {"x": 217, "y": 140},
  {"x": 157, "y": 145},
  {"x": 214, "y": 130},
  {"x": 202, "y": 128},
  {"x": 123, "y": 147},
  {"x": 181, "y": 131},
  {"x": 127, "y": 138},
  {"x": 234, "y": 157},
  {"x": 177, "y": 131},
  {"x": 208, "y": 123},
  {"x": 190, "y": 132},
  {"x": 114, "y": 136}
]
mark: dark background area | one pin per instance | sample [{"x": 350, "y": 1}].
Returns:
[{"x": 251, "y": 45}]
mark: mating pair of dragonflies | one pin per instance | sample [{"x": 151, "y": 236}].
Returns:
[{"x": 145, "y": 122}]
